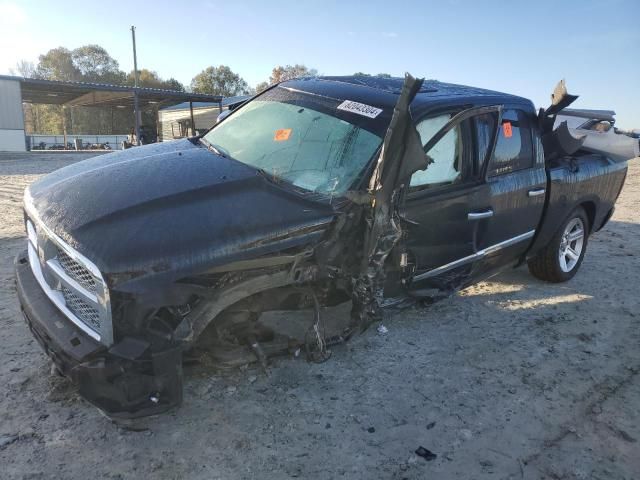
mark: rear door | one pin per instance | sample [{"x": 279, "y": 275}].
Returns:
[{"x": 516, "y": 178}]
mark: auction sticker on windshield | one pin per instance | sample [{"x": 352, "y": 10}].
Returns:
[
  {"x": 360, "y": 108},
  {"x": 282, "y": 135}
]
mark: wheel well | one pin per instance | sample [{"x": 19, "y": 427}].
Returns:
[{"x": 590, "y": 209}]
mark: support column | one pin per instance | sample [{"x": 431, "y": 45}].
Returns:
[
  {"x": 136, "y": 114},
  {"x": 193, "y": 124},
  {"x": 64, "y": 126}
]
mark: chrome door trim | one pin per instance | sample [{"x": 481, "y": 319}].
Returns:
[{"x": 475, "y": 256}]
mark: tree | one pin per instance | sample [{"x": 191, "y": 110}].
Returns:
[
  {"x": 288, "y": 72},
  {"x": 219, "y": 80},
  {"x": 380, "y": 75},
  {"x": 96, "y": 65},
  {"x": 57, "y": 64},
  {"x": 151, "y": 79},
  {"x": 262, "y": 86},
  {"x": 173, "y": 84},
  {"x": 24, "y": 68}
]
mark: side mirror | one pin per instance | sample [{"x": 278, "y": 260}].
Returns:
[{"x": 224, "y": 114}]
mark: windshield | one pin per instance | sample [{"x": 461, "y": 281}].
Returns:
[{"x": 298, "y": 140}]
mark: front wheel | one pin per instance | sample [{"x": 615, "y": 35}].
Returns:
[{"x": 560, "y": 260}]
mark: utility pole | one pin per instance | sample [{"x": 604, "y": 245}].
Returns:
[{"x": 136, "y": 109}]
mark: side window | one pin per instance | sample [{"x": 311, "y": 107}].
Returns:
[
  {"x": 485, "y": 127},
  {"x": 513, "y": 149},
  {"x": 446, "y": 154}
]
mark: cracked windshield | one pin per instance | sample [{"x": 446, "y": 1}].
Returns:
[{"x": 304, "y": 146}]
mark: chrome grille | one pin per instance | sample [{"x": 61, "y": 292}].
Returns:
[
  {"x": 71, "y": 281},
  {"x": 82, "y": 309},
  {"x": 76, "y": 271}
]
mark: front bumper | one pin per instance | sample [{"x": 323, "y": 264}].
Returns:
[{"x": 128, "y": 380}]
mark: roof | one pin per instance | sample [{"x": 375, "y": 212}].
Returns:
[
  {"x": 99, "y": 94},
  {"x": 226, "y": 101},
  {"x": 383, "y": 92},
  {"x": 431, "y": 87},
  {"x": 387, "y": 84}
]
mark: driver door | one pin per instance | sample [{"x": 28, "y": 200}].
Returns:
[{"x": 443, "y": 210}]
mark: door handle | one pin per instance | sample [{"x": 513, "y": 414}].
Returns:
[
  {"x": 536, "y": 192},
  {"x": 480, "y": 215}
]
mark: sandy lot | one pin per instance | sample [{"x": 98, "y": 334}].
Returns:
[{"x": 512, "y": 378}]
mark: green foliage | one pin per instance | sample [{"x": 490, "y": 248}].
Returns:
[
  {"x": 288, "y": 72},
  {"x": 381, "y": 75},
  {"x": 219, "y": 80},
  {"x": 151, "y": 79},
  {"x": 57, "y": 64},
  {"x": 173, "y": 84},
  {"x": 96, "y": 65},
  {"x": 262, "y": 86}
]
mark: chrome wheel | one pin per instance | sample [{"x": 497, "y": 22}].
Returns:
[{"x": 571, "y": 244}]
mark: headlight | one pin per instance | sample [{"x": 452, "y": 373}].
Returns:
[{"x": 31, "y": 234}]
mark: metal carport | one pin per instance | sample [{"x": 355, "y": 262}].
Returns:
[{"x": 81, "y": 94}]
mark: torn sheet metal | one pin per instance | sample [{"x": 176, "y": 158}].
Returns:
[
  {"x": 597, "y": 127},
  {"x": 402, "y": 154}
]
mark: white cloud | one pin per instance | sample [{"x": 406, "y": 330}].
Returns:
[{"x": 389, "y": 34}]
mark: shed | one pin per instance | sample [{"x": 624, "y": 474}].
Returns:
[{"x": 175, "y": 121}]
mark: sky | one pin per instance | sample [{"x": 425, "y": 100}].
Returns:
[{"x": 517, "y": 47}]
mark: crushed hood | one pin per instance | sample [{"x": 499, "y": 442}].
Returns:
[{"x": 174, "y": 208}]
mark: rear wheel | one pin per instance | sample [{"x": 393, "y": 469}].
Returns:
[{"x": 560, "y": 260}]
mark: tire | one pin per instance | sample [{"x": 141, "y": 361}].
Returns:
[{"x": 560, "y": 260}]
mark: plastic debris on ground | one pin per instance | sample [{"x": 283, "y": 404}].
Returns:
[
  {"x": 382, "y": 329},
  {"x": 428, "y": 455}
]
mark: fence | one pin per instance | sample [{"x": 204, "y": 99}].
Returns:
[{"x": 89, "y": 142}]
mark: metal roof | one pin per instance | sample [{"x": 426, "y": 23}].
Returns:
[
  {"x": 225, "y": 102},
  {"x": 99, "y": 94}
]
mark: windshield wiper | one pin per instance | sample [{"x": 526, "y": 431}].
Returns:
[{"x": 213, "y": 148}]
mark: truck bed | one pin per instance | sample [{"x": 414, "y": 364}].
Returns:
[{"x": 590, "y": 180}]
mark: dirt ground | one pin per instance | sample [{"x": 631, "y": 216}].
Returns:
[{"x": 512, "y": 378}]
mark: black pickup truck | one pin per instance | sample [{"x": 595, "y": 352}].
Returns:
[{"x": 313, "y": 193}]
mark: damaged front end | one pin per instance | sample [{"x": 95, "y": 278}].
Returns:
[{"x": 125, "y": 380}]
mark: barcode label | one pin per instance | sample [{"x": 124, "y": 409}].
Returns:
[{"x": 360, "y": 109}]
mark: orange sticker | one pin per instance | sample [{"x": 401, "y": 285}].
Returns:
[
  {"x": 282, "y": 135},
  {"x": 506, "y": 129}
]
